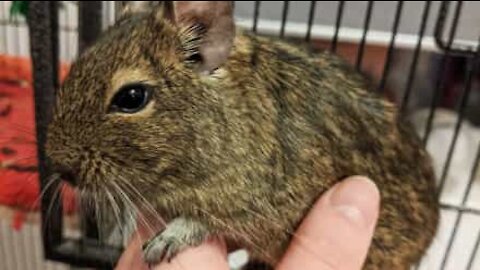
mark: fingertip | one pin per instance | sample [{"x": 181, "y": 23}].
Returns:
[
  {"x": 356, "y": 198},
  {"x": 337, "y": 232},
  {"x": 132, "y": 256}
]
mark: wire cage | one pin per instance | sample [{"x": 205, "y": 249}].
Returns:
[{"x": 424, "y": 56}]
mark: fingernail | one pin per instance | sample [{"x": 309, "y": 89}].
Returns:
[{"x": 356, "y": 199}]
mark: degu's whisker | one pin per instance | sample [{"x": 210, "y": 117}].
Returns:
[
  {"x": 139, "y": 195},
  {"x": 115, "y": 208},
  {"x": 57, "y": 195},
  {"x": 145, "y": 222},
  {"x": 129, "y": 207},
  {"x": 149, "y": 208},
  {"x": 50, "y": 181},
  {"x": 99, "y": 220}
]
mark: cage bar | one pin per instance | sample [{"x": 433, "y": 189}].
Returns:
[
  {"x": 286, "y": 7},
  {"x": 416, "y": 55},
  {"x": 439, "y": 29},
  {"x": 475, "y": 249},
  {"x": 440, "y": 83},
  {"x": 311, "y": 18},
  {"x": 89, "y": 27},
  {"x": 462, "y": 209},
  {"x": 366, "y": 26},
  {"x": 43, "y": 24},
  {"x": 89, "y": 22},
  {"x": 67, "y": 34},
  {"x": 471, "y": 72},
  {"x": 16, "y": 43},
  {"x": 42, "y": 18},
  {"x": 473, "y": 173},
  {"x": 338, "y": 22},
  {"x": 391, "y": 47},
  {"x": 256, "y": 12},
  {"x": 4, "y": 29}
]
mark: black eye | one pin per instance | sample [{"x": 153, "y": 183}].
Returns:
[{"x": 130, "y": 98}]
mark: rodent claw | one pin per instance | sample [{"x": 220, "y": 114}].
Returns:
[{"x": 178, "y": 235}]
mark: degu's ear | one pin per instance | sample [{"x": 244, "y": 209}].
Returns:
[
  {"x": 128, "y": 9},
  {"x": 210, "y": 27},
  {"x": 134, "y": 7},
  {"x": 213, "y": 26}
]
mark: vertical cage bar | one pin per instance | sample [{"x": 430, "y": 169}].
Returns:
[
  {"x": 256, "y": 12},
  {"x": 473, "y": 173},
  {"x": 311, "y": 18},
  {"x": 68, "y": 50},
  {"x": 4, "y": 27},
  {"x": 471, "y": 260},
  {"x": 16, "y": 37},
  {"x": 391, "y": 47},
  {"x": 89, "y": 27},
  {"x": 440, "y": 83},
  {"x": 439, "y": 30},
  {"x": 43, "y": 25},
  {"x": 54, "y": 41},
  {"x": 286, "y": 7},
  {"x": 338, "y": 23},
  {"x": 471, "y": 72},
  {"x": 3, "y": 246},
  {"x": 458, "y": 219},
  {"x": 89, "y": 22},
  {"x": 7, "y": 238},
  {"x": 20, "y": 250},
  {"x": 88, "y": 226},
  {"x": 366, "y": 26},
  {"x": 106, "y": 17},
  {"x": 416, "y": 55},
  {"x": 118, "y": 7}
]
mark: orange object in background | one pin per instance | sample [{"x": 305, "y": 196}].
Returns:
[
  {"x": 19, "y": 185},
  {"x": 19, "y": 69}
]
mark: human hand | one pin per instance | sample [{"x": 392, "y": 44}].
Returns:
[{"x": 336, "y": 234}]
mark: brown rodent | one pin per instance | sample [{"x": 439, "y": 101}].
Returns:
[{"x": 234, "y": 135}]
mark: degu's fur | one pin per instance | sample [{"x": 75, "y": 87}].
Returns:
[{"x": 240, "y": 135}]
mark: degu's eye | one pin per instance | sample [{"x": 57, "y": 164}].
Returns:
[{"x": 130, "y": 98}]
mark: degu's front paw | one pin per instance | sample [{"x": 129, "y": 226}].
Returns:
[
  {"x": 162, "y": 247},
  {"x": 178, "y": 235}
]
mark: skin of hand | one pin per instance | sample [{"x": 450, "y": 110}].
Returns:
[{"x": 335, "y": 235}]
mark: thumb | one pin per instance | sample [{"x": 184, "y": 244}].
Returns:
[{"x": 337, "y": 232}]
